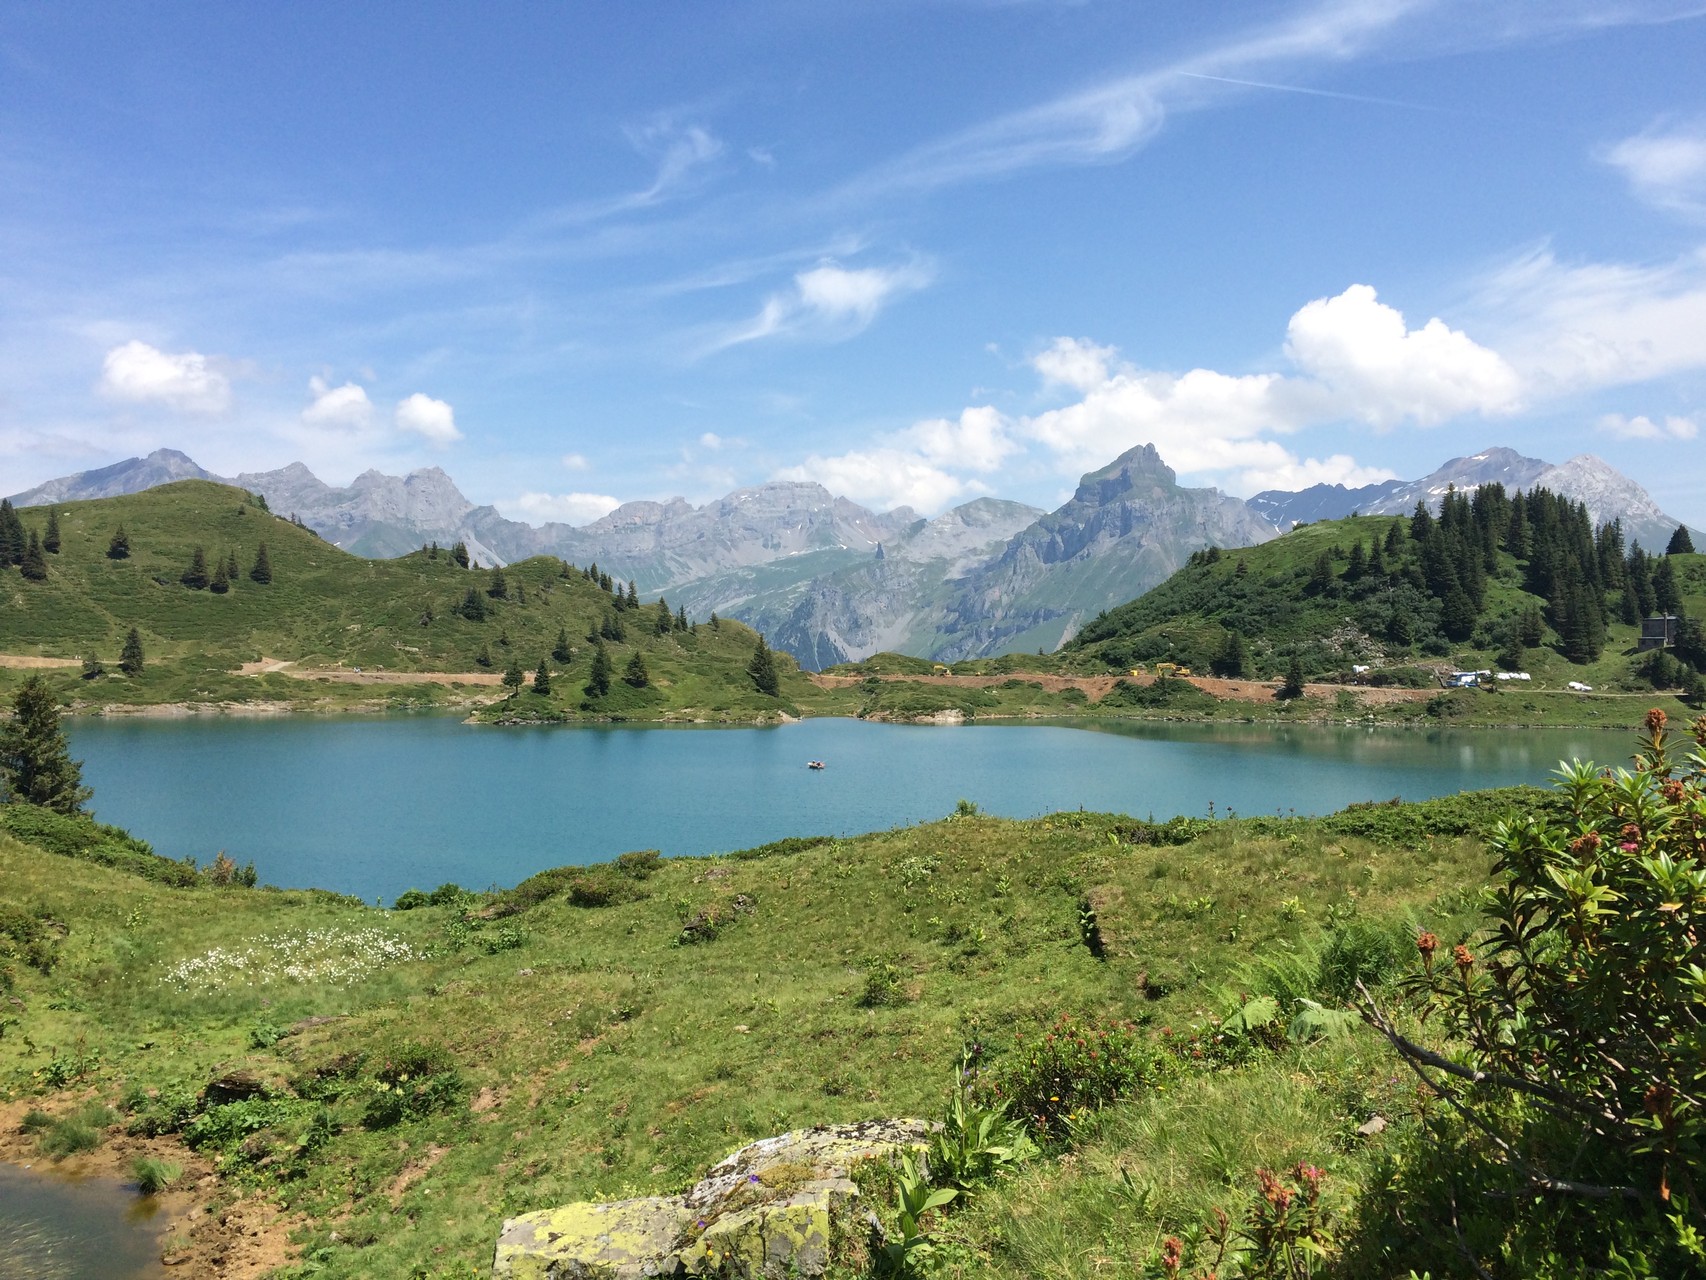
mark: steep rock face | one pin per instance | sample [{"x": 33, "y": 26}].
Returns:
[
  {"x": 376, "y": 515},
  {"x": 133, "y": 475},
  {"x": 841, "y": 605},
  {"x": 1610, "y": 495},
  {"x": 1128, "y": 527}
]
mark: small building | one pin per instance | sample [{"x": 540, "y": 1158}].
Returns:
[{"x": 1657, "y": 633}]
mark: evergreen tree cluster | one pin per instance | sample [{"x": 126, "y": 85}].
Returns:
[
  {"x": 27, "y": 549},
  {"x": 1423, "y": 582}
]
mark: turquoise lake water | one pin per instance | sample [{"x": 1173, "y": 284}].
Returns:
[{"x": 376, "y": 806}]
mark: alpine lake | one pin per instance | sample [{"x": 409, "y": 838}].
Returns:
[{"x": 372, "y": 807}]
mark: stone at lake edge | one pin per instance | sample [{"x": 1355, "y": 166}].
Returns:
[{"x": 778, "y": 1207}]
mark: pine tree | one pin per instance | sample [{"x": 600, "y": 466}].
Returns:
[
  {"x": 561, "y": 651},
  {"x": 35, "y": 765},
  {"x": 232, "y": 572},
  {"x": 665, "y": 620},
  {"x": 50, "y": 540},
  {"x": 762, "y": 669},
  {"x": 34, "y": 565},
  {"x": 1665, "y": 592},
  {"x": 715, "y": 624},
  {"x": 1457, "y": 615},
  {"x": 1401, "y": 627},
  {"x": 119, "y": 547},
  {"x": 261, "y": 501},
  {"x": 542, "y": 679},
  {"x": 598, "y": 680},
  {"x": 220, "y": 583},
  {"x": 513, "y": 677},
  {"x": 636, "y": 673},
  {"x": 633, "y": 595},
  {"x": 93, "y": 668},
  {"x": 1394, "y": 543},
  {"x": 484, "y": 657},
  {"x": 12, "y": 537},
  {"x": 1293, "y": 686},
  {"x": 499, "y": 587},
  {"x": 262, "y": 571},
  {"x": 1681, "y": 544},
  {"x": 130, "y": 660},
  {"x": 1358, "y": 563},
  {"x": 459, "y": 554},
  {"x": 681, "y": 618},
  {"x": 1531, "y": 628},
  {"x": 195, "y": 577},
  {"x": 1230, "y": 662},
  {"x": 473, "y": 607}
]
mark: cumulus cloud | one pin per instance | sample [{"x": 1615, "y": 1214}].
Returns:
[
  {"x": 1642, "y": 427},
  {"x": 828, "y": 301},
  {"x": 1074, "y": 362},
  {"x": 575, "y": 462},
  {"x": 568, "y": 508},
  {"x": 917, "y": 467},
  {"x": 344, "y": 408},
  {"x": 711, "y": 440},
  {"x": 432, "y": 419},
  {"x": 1382, "y": 373},
  {"x": 1665, "y": 165},
  {"x": 140, "y": 374},
  {"x": 884, "y": 477}
]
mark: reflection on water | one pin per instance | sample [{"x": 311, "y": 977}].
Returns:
[
  {"x": 57, "y": 1228},
  {"x": 374, "y": 806}
]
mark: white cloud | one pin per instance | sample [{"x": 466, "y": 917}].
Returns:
[
  {"x": 569, "y": 508},
  {"x": 141, "y": 374},
  {"x": 433, "y": 419},
  {"x": 1381, "y": 373},
  {"x": 1642, "y": 427},
  {"x": 1340, "y": 468},
  {"x": 1074, "y": 362},
  {"x": 828, "y": 302},
  {"x": 978, "y": 440},
  {"x": 883, "y": 478},
  {"x": 344, "y": 408},
  {"x": 1569, "y": 328},
  {"x": 575, "y": 462},
  {"x": 711, "y": 440},
  {"x": 1666, "y": 165}
]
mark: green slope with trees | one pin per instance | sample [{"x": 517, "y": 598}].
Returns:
[
  {"x": 1521, "y": 583},
  {"x": 164, "y": 595}
]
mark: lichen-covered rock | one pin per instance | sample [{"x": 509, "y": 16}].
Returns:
[
  {"x": 780, "y": 1207},
  {"x": 622, "y": 1240}
]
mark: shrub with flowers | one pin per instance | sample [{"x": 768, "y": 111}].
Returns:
[
  {"x": 1074, "y": 1066},
  {"x": 1574, "y": 1022}
]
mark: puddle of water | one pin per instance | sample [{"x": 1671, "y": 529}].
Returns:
[{"x": 55, "y": 1227}]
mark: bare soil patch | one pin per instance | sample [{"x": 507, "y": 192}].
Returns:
[
  {"x": 1097, "y": 687},
  {"x": 29, "y": 662},
  {"x": 347, "y": 675}
]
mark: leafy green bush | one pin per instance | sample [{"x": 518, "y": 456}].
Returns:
[
  {"x": 638, "y": 864},
  {"x": 80, "y": 836},
  {"x": 1360, "y": 951},
  {"x": 1165, "y": 693},
  {"x": 411, "y": 1081},
  {"x": 29, "y": 937},
  {"x": 1072, "y": 1067},
  {"x": 884, "y": 984},
  {"x": 1574, "y": 1136},
  {"x": 781, "y": 848}
]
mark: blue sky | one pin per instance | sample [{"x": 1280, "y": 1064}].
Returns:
[{"x": 920, "y": 251}]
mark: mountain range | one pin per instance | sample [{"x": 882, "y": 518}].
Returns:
[{"x": 831, "y": 581}]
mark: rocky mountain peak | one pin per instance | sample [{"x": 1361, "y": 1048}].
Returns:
[{"x": 1136, "y": 471}]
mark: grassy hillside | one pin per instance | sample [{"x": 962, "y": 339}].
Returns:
[
  {"x": 1272, "y": 597},
  {"x": 326, "y": 610},
  {"x": 402, "y": 1080}
]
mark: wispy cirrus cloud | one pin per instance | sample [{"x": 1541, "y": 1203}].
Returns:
[
  {"x": 1665, "y": 165},
  {"x": 828, "y": 302}
]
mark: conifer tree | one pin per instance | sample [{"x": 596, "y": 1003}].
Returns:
[
  {"x": 220, "y": 583},
  {"x": 1681, "y": 544},
  {"x": 34, "y": 564},
  {"x": 542, "y": 679},
  {"x": 119, "y": 547},
  {"x": 633, "y": 595},
  {"x": 472, "y": 607},
  {"x": 715, "y": 624},
  {"x": 93, "y": 667},
  {"x": 262, "y": 570},
  {"x": 195, "y": 577},
  {"x": 50, "y": 539},
  {"x": 1358, "y": 564},
  {"x": 484, "y": 657},
  {"x": 12, "y": 537},
  {"x": 261, "y": 501},
  {"x": 1293, "y": 685},
  {"x": 232, "y": 572},
  {"x": 665, "y": 622},
  {"x": 1230, "y": 661},
  {"x": 762, "y": 669},
  {"x": 459, "y": 554},
  {"x": 681, "y": 618},
  {"x": 598, "y": 680},
  {"x": 130, "y": 659},
  {"x": 499, "y": 587},
  {"x": 35, "y": 765},
  {"x": 1665, "y": 592},
  {"x": 636, "y": 674},
  {"x": 561, "y": 651},
  {"x": 513, "y": 677},
  {"x": 1394, "y": 543}
]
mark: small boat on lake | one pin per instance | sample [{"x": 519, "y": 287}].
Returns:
[{"x": 814, "y": 764}]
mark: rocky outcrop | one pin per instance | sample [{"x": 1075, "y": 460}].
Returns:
[
  {"x": 780, "y": 1207},
  {"x": 133, "y": 475}
]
